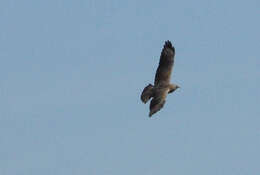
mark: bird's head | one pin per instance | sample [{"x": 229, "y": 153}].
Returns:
[{"x": 173, "y": 87}]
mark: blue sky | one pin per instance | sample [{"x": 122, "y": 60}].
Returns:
[{"x": 71, "y": 74}]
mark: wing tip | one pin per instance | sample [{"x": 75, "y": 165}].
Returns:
[{"x": 168, "y": 44}]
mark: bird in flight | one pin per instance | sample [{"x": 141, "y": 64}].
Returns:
[{"x": 162, "y": 86}]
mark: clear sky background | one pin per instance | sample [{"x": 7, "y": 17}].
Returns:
[{"x": 71, "y": 75}]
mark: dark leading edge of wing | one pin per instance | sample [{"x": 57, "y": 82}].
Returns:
[{"x": 164, "y": 69}]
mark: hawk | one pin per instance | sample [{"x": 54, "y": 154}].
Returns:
[{"x": 162, "y": 86}]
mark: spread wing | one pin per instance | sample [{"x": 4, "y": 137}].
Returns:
[
  {"x": 164, "y": 70},
  {"x": 158, "y": 100}
]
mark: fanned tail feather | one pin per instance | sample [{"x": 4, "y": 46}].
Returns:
[{"x": 147, "y": 93}]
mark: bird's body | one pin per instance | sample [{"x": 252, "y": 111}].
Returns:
[{"x": 162, "y": 85}]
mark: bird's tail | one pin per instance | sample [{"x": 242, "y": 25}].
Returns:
[{"x": 147, "y": 93}]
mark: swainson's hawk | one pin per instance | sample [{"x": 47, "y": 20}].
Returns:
[{"x": 162, "y": 86}]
